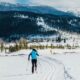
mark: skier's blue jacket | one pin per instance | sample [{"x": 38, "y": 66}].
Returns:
[{"x": 33, "y": 55}]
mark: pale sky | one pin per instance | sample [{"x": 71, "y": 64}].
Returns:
[{"x": 53, "y": 3}]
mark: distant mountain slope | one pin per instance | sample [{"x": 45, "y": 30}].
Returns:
[
  {"x": 35, "y": 9},
  {"x": 15, "y": 24}
]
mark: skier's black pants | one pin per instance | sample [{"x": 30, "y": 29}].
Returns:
[{"x": 34, "y": 65}]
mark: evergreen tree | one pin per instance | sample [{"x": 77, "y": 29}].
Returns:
[{"x": 2, "y": 46}]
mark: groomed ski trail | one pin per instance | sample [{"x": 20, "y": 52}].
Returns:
[{"x": 48, "y": 69}]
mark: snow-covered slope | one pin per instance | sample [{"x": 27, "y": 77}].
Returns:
[{"x": 74, "y": 11}]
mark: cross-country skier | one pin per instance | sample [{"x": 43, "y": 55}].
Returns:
[{"x": 33, "y": 55}]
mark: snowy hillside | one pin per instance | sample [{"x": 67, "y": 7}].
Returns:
[
  {"x": 74, "y": 11},
  {"x": 25, "y": 24}
]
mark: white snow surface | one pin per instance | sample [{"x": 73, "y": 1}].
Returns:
[{"x": 53, "y": 64}]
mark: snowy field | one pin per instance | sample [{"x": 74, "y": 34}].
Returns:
[{"x": 56, "y": 64}]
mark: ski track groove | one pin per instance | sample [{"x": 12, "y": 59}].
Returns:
[
  {"x": 43, "y": 68},
  {"x": 52, "y": 63},
  {"x": 51, "y": 67},
  {"x": 69, "y": 77}
]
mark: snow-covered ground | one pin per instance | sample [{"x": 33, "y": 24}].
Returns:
[{"x": 53, "y": 64}]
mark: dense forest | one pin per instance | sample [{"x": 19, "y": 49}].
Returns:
[{"x": 16, "y": 24}]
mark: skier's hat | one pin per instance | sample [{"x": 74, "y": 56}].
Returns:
[{"x": 34, "y": 49}]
